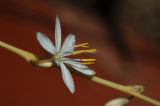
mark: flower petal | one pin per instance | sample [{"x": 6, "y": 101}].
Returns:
[
  {"x": 65, "y": 54},
  {"x": 118, "y": 102},
  {"x": 58, "y": 34},
  {"x": 80, "y": 67},
  {"x": 74, "y": 63},
  {"x": 67, "y": 78},
  {"x": 69, "y": 44},
  {"x": 46, "y": 43}
]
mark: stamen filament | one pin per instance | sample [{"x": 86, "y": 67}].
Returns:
[
  {"x": 85, "y": 46},
  {"x": 82, "y": 51},
  {"x": 82, "y": 45},
  {"x": 87, "y": 63},
  {"x": 88, "y": 59}
]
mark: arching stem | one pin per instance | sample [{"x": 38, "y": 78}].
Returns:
[{"x": 30, "y": 57}]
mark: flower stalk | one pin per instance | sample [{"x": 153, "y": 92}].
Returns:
[
  {"x": 126, "y": 89},
  {"x": 30, "y": 57}
]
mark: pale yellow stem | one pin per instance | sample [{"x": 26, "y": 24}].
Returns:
[
  {"x": 125, "y": 89},
  {"x": 24, "y": 54}
]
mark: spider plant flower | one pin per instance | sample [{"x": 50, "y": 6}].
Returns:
[{"x": 60, "y": 52}]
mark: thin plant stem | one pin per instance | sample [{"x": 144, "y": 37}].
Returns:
[
  {"x": 24, "y": 54},
  {"x": 125, "y": 89},
  {"x": 30, "y": 57}
]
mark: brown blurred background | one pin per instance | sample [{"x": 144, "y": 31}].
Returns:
[{"x": 126, "y": 34}]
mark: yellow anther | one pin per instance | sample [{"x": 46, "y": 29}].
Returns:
[
  {"x": 82, "y": 51},
  {"x": 88, "y": 59},
  {"x": 82, "y": 45},
  {"x": 87, "y": 63}
]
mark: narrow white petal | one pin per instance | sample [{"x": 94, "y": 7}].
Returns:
[
  {"x": 74, "y": 63},
  {"x": 64, "y": 59},
  {"x": 86, "y": 71},
  {"x": 69, "y": 44},
  {"x": 67, "y": 78},
  {"x": 118, "y": 102},
  {"x": 58, "y": 34},
  {"x": 46, "y": 43},
  {"x": 65, "y": 54},
  {"x": 80, "y": 67}
]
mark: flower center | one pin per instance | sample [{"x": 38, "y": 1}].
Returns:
[{"x": 58, "y": 57}]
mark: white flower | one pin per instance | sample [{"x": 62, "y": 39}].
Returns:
[
  {"x": 67, "y": 49},
  {"x": 118, "y": 102}
]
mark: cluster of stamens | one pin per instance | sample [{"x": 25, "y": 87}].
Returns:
[{"x": 85, "y": 61}]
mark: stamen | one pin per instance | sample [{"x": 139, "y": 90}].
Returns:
[
  {"x": 87, "y": 63},
  {"x": 88, "y": 59},
  {"x": 82, "y": 51},
  {"x": 83, "y": 45}
]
